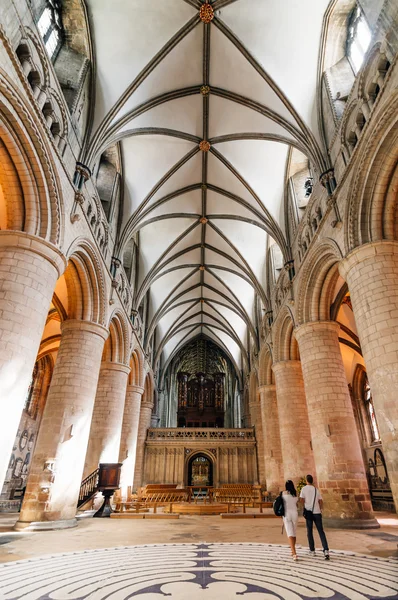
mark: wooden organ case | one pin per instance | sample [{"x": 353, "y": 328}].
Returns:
[{"x": 200, "y": 400}]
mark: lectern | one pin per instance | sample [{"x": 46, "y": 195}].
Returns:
[{"x": 108, "y": 483}]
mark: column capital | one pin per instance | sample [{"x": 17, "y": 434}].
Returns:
[
  {"x": 84, "y": 170},
  {"x": 364, "y": 252},
  {"x": 36, "y": 245},
  {"x": 314, "y": 327},
  {"x": 78, "y": 325},
  {"x": 267, "y": 388},
  {"x": 285, "y": 364},
  {"x": 136, "y": 388},
  {"x": 147, "y": 404},
  {"x": 115, "y": 366}
]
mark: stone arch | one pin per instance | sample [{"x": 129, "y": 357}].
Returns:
[
  {"x": 317, "y": 283},
  {"x": 37, "y": 397},
  {"x": 32, "y": 201},
  {"x": 37, "y": 55},
  {"x": 359, "y": 379},
  {"x": 189, "y": 458},
  {"x": 371, "y": 210},
  {"x": 117, "y": 345},
  {"x": 85, "y": 283},
  {"x": 136, "y": 376},
  {"x": 265, "y": 373},
  {"x": 149, "y": 386},
  {"x": 285, "y": 344},
  {"x": 12, "y": 213}
]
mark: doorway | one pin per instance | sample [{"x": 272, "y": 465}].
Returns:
[{"x": 200, "y": 471}]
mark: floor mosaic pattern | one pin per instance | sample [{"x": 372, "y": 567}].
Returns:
[{"x": 199, "y": 572}]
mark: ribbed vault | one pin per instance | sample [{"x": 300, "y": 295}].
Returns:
[{"x": 205, "y": 99}]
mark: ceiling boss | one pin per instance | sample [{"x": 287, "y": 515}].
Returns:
[
  {"x": 206, "y": 13},
  {"x": 204, "y": 146}
]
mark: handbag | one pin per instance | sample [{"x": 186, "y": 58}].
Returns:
[{"x": 308, "y": 514}]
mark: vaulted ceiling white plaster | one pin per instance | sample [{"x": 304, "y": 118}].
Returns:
[{"x": 259, "y": 59}]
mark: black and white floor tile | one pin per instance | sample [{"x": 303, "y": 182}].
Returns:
[{"x": 199, "y": 572}]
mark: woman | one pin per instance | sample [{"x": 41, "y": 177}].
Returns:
[{"x": 290, "y": 499}]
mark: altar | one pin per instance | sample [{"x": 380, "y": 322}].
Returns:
[{"x": 200, "y": 457}]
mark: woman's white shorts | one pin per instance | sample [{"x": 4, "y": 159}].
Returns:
[{"x": 290, "y": 526}]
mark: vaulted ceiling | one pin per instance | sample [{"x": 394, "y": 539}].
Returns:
[
  {"x": 201, "y": 355},
  {"x": 205, "y": 100}
]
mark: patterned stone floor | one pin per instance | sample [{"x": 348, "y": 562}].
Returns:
[{"x": 199, "y": 572}]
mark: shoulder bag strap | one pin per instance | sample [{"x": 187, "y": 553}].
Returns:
[{"x": 314, "y": 500}]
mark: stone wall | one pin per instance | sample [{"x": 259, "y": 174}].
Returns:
[{"x": 232, "y": 452}]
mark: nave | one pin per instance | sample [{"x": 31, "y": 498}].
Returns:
[{"x": 198, "y": 291}]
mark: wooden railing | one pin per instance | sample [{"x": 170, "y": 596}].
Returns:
[
  {"x": 88, "y": 488},
  {"x": 192, "y": 433}
]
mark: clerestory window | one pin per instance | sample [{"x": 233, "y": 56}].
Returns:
[
  {"x": 50, "y": 27},
  {"x": 358, "y": 38}
]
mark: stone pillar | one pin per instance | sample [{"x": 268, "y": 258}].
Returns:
[
  {"x": 144, "y": 424},
  {"x": 272, "y": 441},
  {"x": 29, "y": 269},
  {"x": 106, "y": 424},
  {"x": 371, "y": 272},
  {"x": 260, "y": 443},
  {"x": 56, "y": 473},
  {"x": 128, "y": 442},
  {"x": 337, "y": 452},
  {"x": 256, "y": 422},
  {"x": 298, "y": 458}
]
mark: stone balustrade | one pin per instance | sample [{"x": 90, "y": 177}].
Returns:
[{"x": 192, "y": 433}]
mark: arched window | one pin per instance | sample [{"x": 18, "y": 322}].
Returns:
[
  {"x": 50, "y": 27},
  {"x": 370, "y": 411},
  {"x": 358, "y": 38}
]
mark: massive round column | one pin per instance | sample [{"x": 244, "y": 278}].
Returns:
[
  {"x": 298, "y": 459},
  {"x": 128, "y": 442},
  {"x": 271, "y": 439},
  {"x": 338, "y": 459},
  {"x": 56, "y": 472},
  {"x": 257, "y": 423},
  {"x": 144, "y": 424},
  {"x": 106, "y": 424},
  {"x": 371, "y": 272},
  {"x": 29, "y": 269}
]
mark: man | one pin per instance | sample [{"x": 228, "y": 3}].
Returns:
[{"x": 313, "y": 503}]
